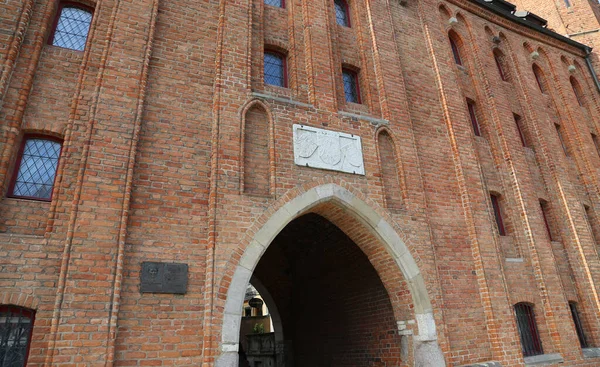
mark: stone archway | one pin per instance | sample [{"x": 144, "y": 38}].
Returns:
[{"x": 426, "y": 348}]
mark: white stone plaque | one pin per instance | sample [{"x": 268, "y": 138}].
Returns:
[{"x": 327, "y": 149}]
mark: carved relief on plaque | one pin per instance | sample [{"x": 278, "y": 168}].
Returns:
[
  {"x": 332, "y": 150},
  {"x": 159, "y": 277}
]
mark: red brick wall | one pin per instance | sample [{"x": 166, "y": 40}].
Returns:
[{"x": 152, "y": 118}]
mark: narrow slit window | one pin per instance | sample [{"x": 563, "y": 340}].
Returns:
[
  {"x": 275, "y": 69},
  {"x": 498, "y": 215},
  {"x": 455, "y": 51},
  {"x": 473, "y": 117},
  {"x": 351, "y": 86},
  {"x": 578, "y": 325},
  {"x": 539, "y": 78},
  {"x": 589, "y": 217},
  {"x": 518, "y": 123},
  {"x": 528, "y": 332},
  {"x": 71, "y": 26},
  {"x": 561, "y": 139},
  {"x": 545, "y": 214},
  {"x": 35, "y": 170},
  {"x": 577, "y": 91},
  {"x": 16, "y": 327},
  {"x": 499, "y": 65},
  {"x": 596, "y": 143}
]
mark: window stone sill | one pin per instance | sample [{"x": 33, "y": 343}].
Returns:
[
  {"x": 543, "y": 359},
  {"x": 591, "y": 352}
]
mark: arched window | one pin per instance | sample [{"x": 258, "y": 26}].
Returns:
[
  {"x": 499, "y": 59},
  {"x": 577, "y": 91},
  {"x": 455, "y": 50},
  {"x": 351, "y": 86},
  {"x": 540, "y": 79},
  {"x": 275, "y": 69},
  {"x": 35, "y": 169},
  {"x": 342, "y": 13},
  {"x": 71, "y": 26},
  {"x": 578, "y": 325},
  {"x": 276, "y": 3},
  {"x": 530, "y": 338},
  {"x": 16, "y": 325}
]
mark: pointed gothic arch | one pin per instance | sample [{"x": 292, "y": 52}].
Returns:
[{"x": 426, "y": 347}]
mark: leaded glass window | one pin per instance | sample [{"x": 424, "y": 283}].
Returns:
[
  {"x": 72, "y": 27},
  {"x": 351, "y": 88},
  {"x": 36, "y": 168},
  {"x": 342, "y": 15},
  {"x": 275, "y": 69},
  {"x": 276, "y": 3},
  {"x": 16, "y": 325}
]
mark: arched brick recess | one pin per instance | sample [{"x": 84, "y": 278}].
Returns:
[
  {"x": 390, "y": 173},
  {"x": 351, "y": 213},
  {"x": 256, "y": 149}
]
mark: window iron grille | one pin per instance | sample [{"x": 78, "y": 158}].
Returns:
[
  {"x": 16, "y": 326},
  {"x": 530, "y": 339}
]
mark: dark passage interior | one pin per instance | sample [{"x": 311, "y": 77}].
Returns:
[{"x": 334, "y": 310}]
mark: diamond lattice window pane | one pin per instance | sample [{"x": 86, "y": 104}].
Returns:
[
  {"x": 274, "y": 69},
  {"x": 277, "y": 3},
  {"x": 350, "y": 87},
  {"x": 72, "y": 28},
  {"x": 37, "y": 169},
  {"x": 341, "y": 13}
]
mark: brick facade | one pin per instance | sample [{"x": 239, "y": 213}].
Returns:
[{"x": 175, "y": 150}]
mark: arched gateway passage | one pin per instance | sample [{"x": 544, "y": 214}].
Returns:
[{"x": 329, "y": 228}]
